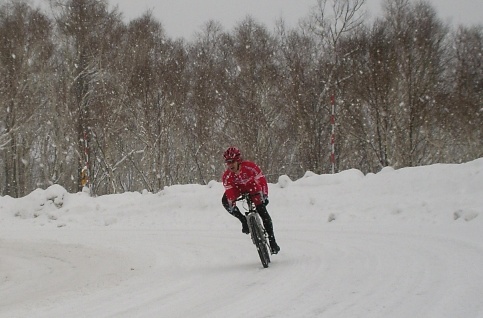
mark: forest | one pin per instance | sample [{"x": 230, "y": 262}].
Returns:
[{"x": 89, "y": 100}]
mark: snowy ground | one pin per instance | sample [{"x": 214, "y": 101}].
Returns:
[{"x": 400, "y": 243}]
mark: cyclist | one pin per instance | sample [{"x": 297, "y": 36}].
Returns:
[{"x": 242, "y": 176}]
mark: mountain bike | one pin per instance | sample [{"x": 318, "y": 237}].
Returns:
[{"x": 257, "y": 231}]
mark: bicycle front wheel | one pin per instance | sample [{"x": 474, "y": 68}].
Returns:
[{"x": 259, "y": 240}]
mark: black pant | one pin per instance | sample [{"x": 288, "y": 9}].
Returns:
[{"x": 261, "y": 209}]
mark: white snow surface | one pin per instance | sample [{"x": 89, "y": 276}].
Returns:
[{"x": 399, "y": 243}]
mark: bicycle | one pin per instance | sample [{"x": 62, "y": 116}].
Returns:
[{"x": 257, "y": 231}]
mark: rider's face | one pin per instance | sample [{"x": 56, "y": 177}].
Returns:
[{"x": 232, "y": 166}]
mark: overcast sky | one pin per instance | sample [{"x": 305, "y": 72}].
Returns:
[{"x": 182, "y": 18}]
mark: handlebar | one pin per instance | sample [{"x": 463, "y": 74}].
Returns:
[
  {"x": 244, "y": 196},
  {"x": 248, "y": 198}
]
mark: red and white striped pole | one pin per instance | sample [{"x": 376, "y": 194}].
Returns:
[
  {"x": 85, "y": 171},
  {"x": 332, "y": 136}
]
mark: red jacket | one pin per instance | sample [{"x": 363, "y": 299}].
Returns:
[{"x": 249, "y": 179}]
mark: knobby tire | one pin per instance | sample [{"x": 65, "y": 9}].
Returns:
[{"x": 259, "y": 240}]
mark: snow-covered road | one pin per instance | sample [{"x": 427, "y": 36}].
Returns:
[{"x": 339, "y": 272}]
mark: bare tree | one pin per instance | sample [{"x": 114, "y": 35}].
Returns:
[
  {"x": 153, "y": 92},
  {"x": 462, "y": 114},
  {"x": 418, "y": 38},
  {"x": 299, "y": 90},
  {"x": 372, "y": 87},
  {"x": 85, "y": 26},
  {"x": 25, "y": 47},
  {"x": 253, "y": 99}
]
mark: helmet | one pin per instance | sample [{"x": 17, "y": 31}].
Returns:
[{"x": 232, "y": 154}]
